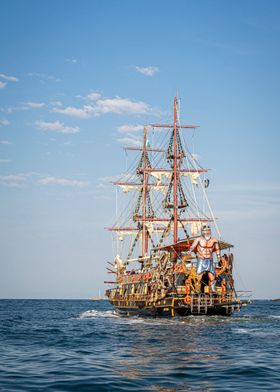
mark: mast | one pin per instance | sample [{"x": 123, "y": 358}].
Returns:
[
  {"x": 173, "y": 204},
  {"x": 175, "y": 199},
  {"x": 144, "y": 197}
]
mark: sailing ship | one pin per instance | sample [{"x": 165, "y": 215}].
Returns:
[{"x": 167, "y": 263}]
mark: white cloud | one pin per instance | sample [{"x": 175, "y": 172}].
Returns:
[
  {"x": 131, "y": 140},
  {"x": 56, "y": 126},
  {"x": 73, "y": 61},
  {"x": 34, "y": 105},
  {"x": 63, "y": 181},
  {"x": 121, "y": 106},
  {"x": 12, "y": 180},
  {"x": 130, "y": 128},
  {"x": 147, "y": 71},
  {"x": 8, "y": 78},
  {"x": 116, "y": 105},
  {"x": 4, "y": 142},
  {"x": 9, "y": 110},
  {"x": 94, "y": 96},
  {"x": 73, "y": 112},
  {"x": 56, "y": 103},
  {"x": 5, "y": 160},
  {"x": 2, "y": 84},
  {"x": 4, "y": 122}
]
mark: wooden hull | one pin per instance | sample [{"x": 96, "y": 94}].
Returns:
[{"x": 171, "y": 307}]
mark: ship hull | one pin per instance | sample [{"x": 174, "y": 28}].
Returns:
[{"x": 175, "y": 307}]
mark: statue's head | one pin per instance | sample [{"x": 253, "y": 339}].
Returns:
[{"x": 206, "y": 232}]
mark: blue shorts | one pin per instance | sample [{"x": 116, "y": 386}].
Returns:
[{"x": 205, "y": 265}]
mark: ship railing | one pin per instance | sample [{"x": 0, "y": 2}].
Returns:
[
  {"x": 212, "y": 299},
  {"x": 244, "y": 296}
]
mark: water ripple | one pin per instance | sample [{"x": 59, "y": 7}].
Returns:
[{"x": 88, "y": 346}]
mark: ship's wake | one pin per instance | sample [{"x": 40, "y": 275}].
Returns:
[{"x": 98, "y": 313}]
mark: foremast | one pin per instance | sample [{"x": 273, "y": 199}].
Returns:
[{"x": 144, "y": 198}]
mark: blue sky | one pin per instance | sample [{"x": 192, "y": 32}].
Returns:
[{"x": 72, "y": 73}]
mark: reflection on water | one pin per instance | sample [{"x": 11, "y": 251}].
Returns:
[{"x": 169, "y": 348}]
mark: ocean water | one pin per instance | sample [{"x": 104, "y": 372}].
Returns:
[{"x": 65, "y": 345}]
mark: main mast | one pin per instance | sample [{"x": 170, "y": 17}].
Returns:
[{"x": 175, "y": 199}]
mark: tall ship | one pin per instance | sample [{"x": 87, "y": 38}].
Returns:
[{"x": 170, "y": 258}]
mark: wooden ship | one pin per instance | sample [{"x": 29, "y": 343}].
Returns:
[{"x": 164, "y": 263}]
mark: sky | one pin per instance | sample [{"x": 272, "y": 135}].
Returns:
[{"x": 77, "y": 82}]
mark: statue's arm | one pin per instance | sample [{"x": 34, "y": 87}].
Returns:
[{"x": 194, "y": 245}]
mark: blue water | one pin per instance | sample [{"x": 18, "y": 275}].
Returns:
[{"x": 64, "y": 345}]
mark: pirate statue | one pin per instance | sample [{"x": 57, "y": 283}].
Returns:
[{"x": 204, "y": 247}]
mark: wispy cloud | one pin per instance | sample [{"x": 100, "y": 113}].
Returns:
[
  {"x": 56, "y": 103},
  {"x": 100, "y": 106},
  {"x": 130, "y": 140},
  {"x": 5, "y": 161},
  {"x": 12, "y": 181},
  {"x": 73, "y": 61},
  {"x": 147, "y": 71},
  {"x": 93, "y": 96},
  {"x": 8, "y": 78},
  {"x": 43, "y": 77},
  {"x": 34, "y": 105},
  {"x": 2, "y": 84},
  {"x": 5, "y": 142},
  {"x": 128, "y": 128},
  {"x": 4, "y": 122},
  {"x": 63, "y": 182},
  {"x": 84, "y": 112},
  {"x": 56, "y": 126}
]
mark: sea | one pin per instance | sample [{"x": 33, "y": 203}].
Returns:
[{"x": 82, "y": 345}]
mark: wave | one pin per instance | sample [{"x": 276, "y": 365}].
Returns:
[
  {"x": 98, "y": 313},
  {"x": 256, "y": 332}
]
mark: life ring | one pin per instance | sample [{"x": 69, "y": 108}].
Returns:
[
  {"x": 149, "y": 275},
  {"x": 139, "y": 277},
  {"x": 187, "y": 299},
  {"x": 120, "y": 279},
  {"x": 133, "y": 278}
]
